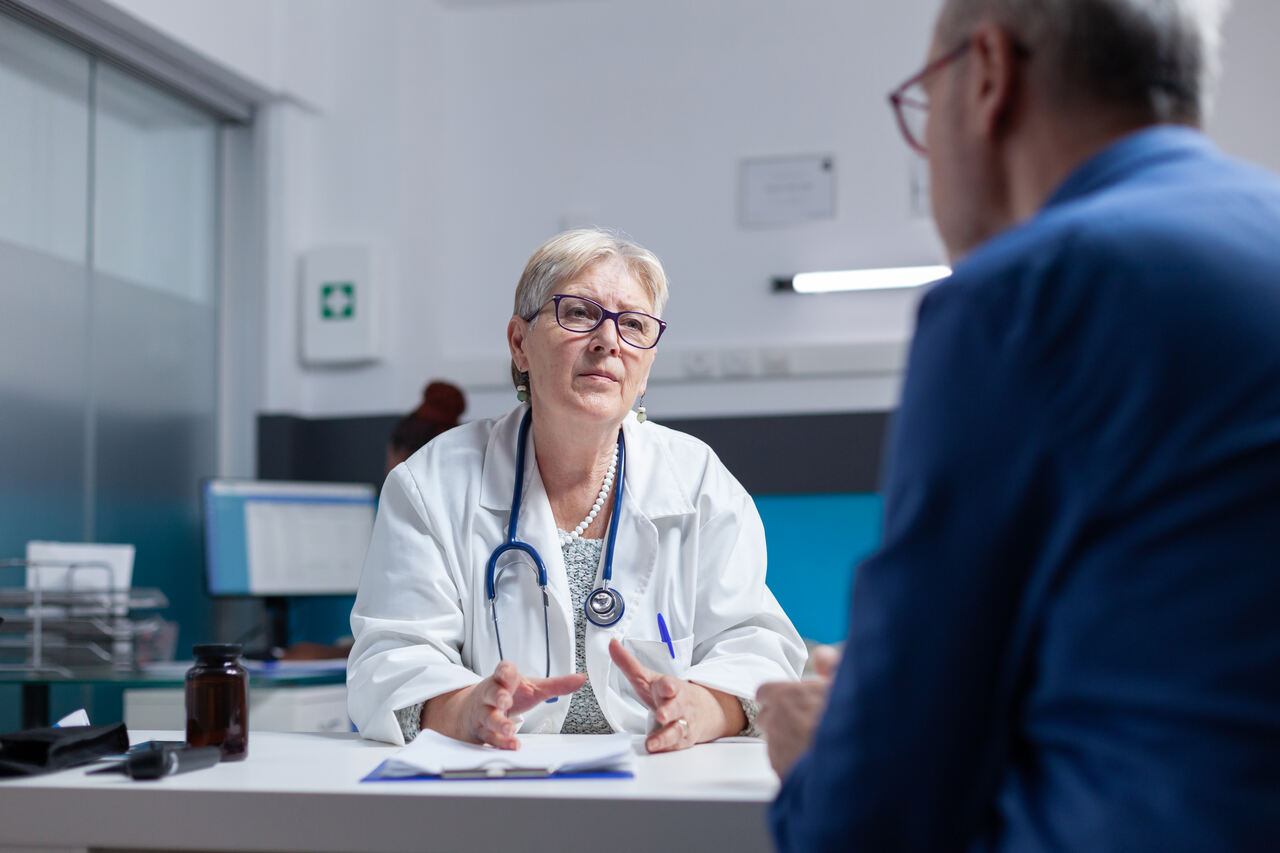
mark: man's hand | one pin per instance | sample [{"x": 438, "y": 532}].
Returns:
[{"x": 790, "y": 710}]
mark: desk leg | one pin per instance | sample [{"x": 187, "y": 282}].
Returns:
[{"x": 35, "y": 705}]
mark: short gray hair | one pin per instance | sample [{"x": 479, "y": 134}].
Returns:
[
  {"x": 1157, "y": 58},
  {"x": 566, "y": 256}
]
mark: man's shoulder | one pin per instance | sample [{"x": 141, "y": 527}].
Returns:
[
  {"x": 1202, "y": 211},
  {"x": 1124, "y": 274},
  {"x": 1191, "y": 203}
]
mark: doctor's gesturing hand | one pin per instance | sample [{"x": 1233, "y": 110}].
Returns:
[
  {"x": 483, "y": 712},
  {"x": 686, "y": 713}
]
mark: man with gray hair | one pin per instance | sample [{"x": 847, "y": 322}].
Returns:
[{"x": 1070, "y": 637}]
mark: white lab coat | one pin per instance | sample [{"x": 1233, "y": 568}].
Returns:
[{"x": 690, "y": 545}]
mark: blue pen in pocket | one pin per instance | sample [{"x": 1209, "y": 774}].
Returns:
[{"x": 666, "y": 636}]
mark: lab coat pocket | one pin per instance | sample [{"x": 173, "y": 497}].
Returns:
[{"x": 655, "y": 655}]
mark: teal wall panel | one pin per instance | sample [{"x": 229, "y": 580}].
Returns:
[
  {"x": 166, "y": 533},
  {"x": 321, "y": 619},
  {"x": 815, "y": 542}
]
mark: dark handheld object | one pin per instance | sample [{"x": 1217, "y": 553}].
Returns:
[
  {"x": 152, "y": 764},
  {"x": 156, "y": 759}
]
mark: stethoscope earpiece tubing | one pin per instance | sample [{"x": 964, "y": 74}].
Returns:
[
  {"x": 610, "y": 615},
  {"x": 617, "y": 605},
  {"x": 617, "y": 510}
]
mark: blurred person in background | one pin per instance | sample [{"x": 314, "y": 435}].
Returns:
[{"x": 441, "y": 407}]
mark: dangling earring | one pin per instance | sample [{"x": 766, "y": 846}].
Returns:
[
  {"x": 640, "y": 415},
  {"x": 522, "y": 393}
]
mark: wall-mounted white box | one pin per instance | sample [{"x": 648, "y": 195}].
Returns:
[{"x": 338, "y": 306}]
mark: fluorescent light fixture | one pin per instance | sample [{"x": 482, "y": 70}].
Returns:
[{"x": 881, "y": 279}]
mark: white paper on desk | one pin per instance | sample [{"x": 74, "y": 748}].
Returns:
[
  {"x": 434, "y": 754},
  {"x": 61, "y": 567}
]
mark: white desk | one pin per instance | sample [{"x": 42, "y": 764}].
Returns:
[{"x": 302, "y": 791}]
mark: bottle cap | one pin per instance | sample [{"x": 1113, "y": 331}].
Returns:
[{"x": 216, "y": 651}]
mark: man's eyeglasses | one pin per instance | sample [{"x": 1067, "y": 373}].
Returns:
[
  {"x": 580, "y": 314},
  {"x": 911, "y": 104}
]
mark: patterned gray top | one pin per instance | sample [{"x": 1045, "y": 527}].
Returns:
[{"x": 581, "y": 559}]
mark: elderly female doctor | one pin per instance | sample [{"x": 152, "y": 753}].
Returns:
[{"x": 526, "y": 573}]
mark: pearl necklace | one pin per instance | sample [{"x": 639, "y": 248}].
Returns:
[{"x": 598, "y": 505}]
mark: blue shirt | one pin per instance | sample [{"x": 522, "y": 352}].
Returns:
[{"x": 1070, "y": 638}]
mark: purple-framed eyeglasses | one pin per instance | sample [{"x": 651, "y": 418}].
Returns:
[
  {"x": 911, "y": 108},
  {"x": 581, "y": 315}
]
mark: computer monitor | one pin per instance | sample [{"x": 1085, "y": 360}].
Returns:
[{"x": 277, "y": 538}]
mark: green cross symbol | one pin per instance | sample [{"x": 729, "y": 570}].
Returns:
[{"x": 337, "y": 300}]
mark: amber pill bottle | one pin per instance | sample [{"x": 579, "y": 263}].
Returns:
[{"x": 218, "y": 700}]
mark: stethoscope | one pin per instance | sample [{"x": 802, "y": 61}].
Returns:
[{"x": 604, "y": 605}]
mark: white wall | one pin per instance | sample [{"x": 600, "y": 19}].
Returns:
[
  {"x": 453, "y": 138},
  {"x": 251, "y": 37},
  {"x": 637, "y": 116},
  {"x": 343, "y": 155},
  {"x": 1245, "y": 122},
  {"x": 362, "y": 171}
]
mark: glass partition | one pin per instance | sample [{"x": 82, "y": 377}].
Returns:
[
  {"x": 44, "y": 304},
  {"x": 109, "y": 235},
  {"x": 154, "y": 333}
]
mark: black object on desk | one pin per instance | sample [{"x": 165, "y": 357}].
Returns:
[
  {"x": 156, "y": 759},
  {"x": 44, "y": 750}
]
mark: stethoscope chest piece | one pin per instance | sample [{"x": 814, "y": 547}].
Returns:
[{"x": 603, "y": 607}]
